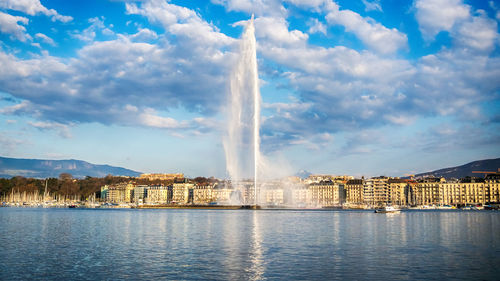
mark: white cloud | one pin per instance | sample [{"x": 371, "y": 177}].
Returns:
[
  {"x": 371, "y": 33},
  {"x": 62, "y": 129},
  {"x": 347, "y": 90},
  {"x": 144, "y": 34},
  {"x": 96, "y": 26},
  {"x": 10, "y": 25},
  {"x": 33, "y": 7},
  {"x": 372, "y": 5},
  {"x": 315, "y": 26},
  {"x": 315, "y": 5},
  {"x": 15, "y": 109},
  {"x": 434, "y": 16},
  {"x": 45, "y": 39},
  {"x": 150, "y": 119},
  {"x": 257, "y": 7},
  {"x": 454, "y": 82},
  {"x": 134, "y": 80},
  {"x": 125, "y": 81},
  {"x": 275, "y": 30},
  {"x": 180, "y": 21},
  {"x": 479, "y": 32}
]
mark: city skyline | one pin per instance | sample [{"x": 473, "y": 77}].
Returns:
[{"x": 348, "y": 87}]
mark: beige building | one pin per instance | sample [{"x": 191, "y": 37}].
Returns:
[
  {"x": 440, "y": 192},
  {"x": 223, "y": 195},
  {"x": 273, "y": 196},
  {"x": 450, "y": 193},
  {"x": 182, "y": 193},
  {"x": 158, "y": 194},
  {"x": 474, "y": 193},
  {"x": 152, "y": 177},
  {"x": 427, "y": 192},
  {"x": 493, "y": 184},
  {"x": 324, "y": 178},
  {"x": 354, "y": 191},
  {"x": 326, "y": 194},
  {"x": 203, "y": 194},
  {"x": 119, "y": 193},
  {"x": 299, "y": 195},
  {"x": 396, "y": 191},
  {"x": 376, "y": 191}
]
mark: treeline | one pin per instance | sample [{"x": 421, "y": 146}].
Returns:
[{"x": 66, "y": 185}]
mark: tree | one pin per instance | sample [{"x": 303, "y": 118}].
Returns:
[{"x": 65, "y": 176}]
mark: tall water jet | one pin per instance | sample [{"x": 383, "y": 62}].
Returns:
[{"x": 242, "y": 142}]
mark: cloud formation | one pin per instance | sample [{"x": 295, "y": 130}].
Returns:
[
  {"x": 179, "y": 60},
  {"x": 373, "y": 34},
  {"x": 13, "y": 25},
  {"x": 33, "y": 7},
  {"x": 435, "y": 16}
]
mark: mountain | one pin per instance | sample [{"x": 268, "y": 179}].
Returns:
[
  {"x": 488, "y": 165},
  {"x": 36, "y": 168},
  {"x": 303, "y": 174}
]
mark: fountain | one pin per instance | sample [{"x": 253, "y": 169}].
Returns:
[{"x": 241, "y": 144}]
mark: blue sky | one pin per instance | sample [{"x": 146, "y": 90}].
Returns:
[{"x": 367, "y": 87}]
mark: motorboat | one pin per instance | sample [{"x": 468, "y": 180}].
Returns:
[{"x": 387, "y": 209}]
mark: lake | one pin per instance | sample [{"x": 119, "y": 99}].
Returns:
[{"x": 180, "y": 244}]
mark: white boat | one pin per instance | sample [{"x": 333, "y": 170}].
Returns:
[{"x": 387, "y": 209}]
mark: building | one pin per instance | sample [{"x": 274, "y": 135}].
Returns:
[
  {"x": 376, "y": 191},
  {"x": 119, "y": 193},
  {"x": 427, "y": 191},
  {"x": 411, "y": 193},
  {"x": 140, "y": 193},
  {"x": 474, "y": 192},
  {"x": 323, "y": 178},
  {"x": 450, "y": 193},
  {"x": 104, "y": 192},
  {"x": 297, "y": 196},
  {"x": 273, "y": 196},
  {"x": 354, "y": 191},
  {"x": 468, "y": 191},
  {"x": 492, "y": 182},
  {"x": 204, "y": 194},
  {"x": 153, "y": 177},
  {"x": 158, "y": 194},
  {"x": 326, "y": 194},
  {"x": 396, "y": 191},
  {"x": 182, "y": 193},
  {"x": 223, "y": 195}
]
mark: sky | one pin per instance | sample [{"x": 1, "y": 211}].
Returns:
[{"x": 365, "y": 88}]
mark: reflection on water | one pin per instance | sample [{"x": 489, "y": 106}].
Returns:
[
  {"x": 64, "y": 244},
  {"x": 257, "y": 264}
]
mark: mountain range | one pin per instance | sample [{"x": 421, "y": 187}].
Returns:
[
  {"x": 487, "y": 165},
  {"x": 37, "y": 168}
]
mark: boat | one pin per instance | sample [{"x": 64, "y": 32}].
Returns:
[
  {"x": 387, "y": 209},
  {"x": 446, "y": 207}
]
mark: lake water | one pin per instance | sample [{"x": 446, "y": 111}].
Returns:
[{"x": 79, "y": 244}]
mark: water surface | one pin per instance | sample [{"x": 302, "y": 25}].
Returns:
[{"x": 68, "y": 244}]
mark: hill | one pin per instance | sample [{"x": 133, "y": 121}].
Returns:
[
  {"x": 465, "y": 170},
  {"x": 36, "y": 168}
]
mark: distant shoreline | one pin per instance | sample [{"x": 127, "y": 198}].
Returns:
[{"x": 211, "y": 207}]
